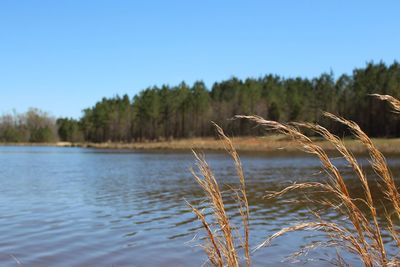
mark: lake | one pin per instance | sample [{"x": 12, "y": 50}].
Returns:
[{"x": 87, "y": 207}]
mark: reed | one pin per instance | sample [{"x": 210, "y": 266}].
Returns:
[
  {"x": 223, "y": 241},
  {"x": 362, "y": 237}
]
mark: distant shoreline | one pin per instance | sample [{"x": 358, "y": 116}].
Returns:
[{"x": 274, "y": 143}]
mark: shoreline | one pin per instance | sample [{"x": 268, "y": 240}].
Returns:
[{"x": 273, "y": 143}]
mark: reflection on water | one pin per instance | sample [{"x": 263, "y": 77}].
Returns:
[{"x": 83, "y": 207}]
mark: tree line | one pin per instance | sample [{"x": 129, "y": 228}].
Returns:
[
  {"x": 32, "y": 126},
  {"x": 182, "y": 111}
]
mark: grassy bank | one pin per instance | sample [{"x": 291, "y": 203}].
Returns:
[
  {"x": 245, "y": 144},
  {"x": 271, "y": 143},
  {"x": 54, "y": 144}
]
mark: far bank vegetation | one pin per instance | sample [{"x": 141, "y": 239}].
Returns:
[{"x": 184, "y": 111}]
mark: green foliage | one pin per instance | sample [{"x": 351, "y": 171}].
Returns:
[
  {"x": 10, "y": 134},
  {"x": 69, "y": 130},
  {"x": 273, "y": 112},
  {"x": 42, "y": 134},
  {"x": 32, "y": 126},
  {"x": 186, "y": 111}
]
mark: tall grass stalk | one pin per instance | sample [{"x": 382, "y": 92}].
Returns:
[
  {"x": 363, "y": 237},
  {"x": 222, "y": 238}
]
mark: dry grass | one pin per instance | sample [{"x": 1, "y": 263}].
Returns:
[
  {"x": 271, "y": 144},
  {"x": 395, "y": 103},
  {"x": 362, "y": 237},
  {"x": 222, "y": 240}
]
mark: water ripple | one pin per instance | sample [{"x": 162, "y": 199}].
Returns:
[{"x": 84, "y": 207}]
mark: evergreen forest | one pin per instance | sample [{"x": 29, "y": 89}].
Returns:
[{"x": 184, "y": 110}]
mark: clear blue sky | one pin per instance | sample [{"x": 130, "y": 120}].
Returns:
[{"x": 64, "y": 55}]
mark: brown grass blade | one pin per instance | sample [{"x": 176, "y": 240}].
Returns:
[
  {"x": 221, "y": 249},
  {"x": 242, "y": 199},
  {"x": 395, "y": 103},
  {"x": 363, "y": 237}
]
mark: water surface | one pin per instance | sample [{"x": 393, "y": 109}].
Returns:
[{"x": 87, "y": 207}]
